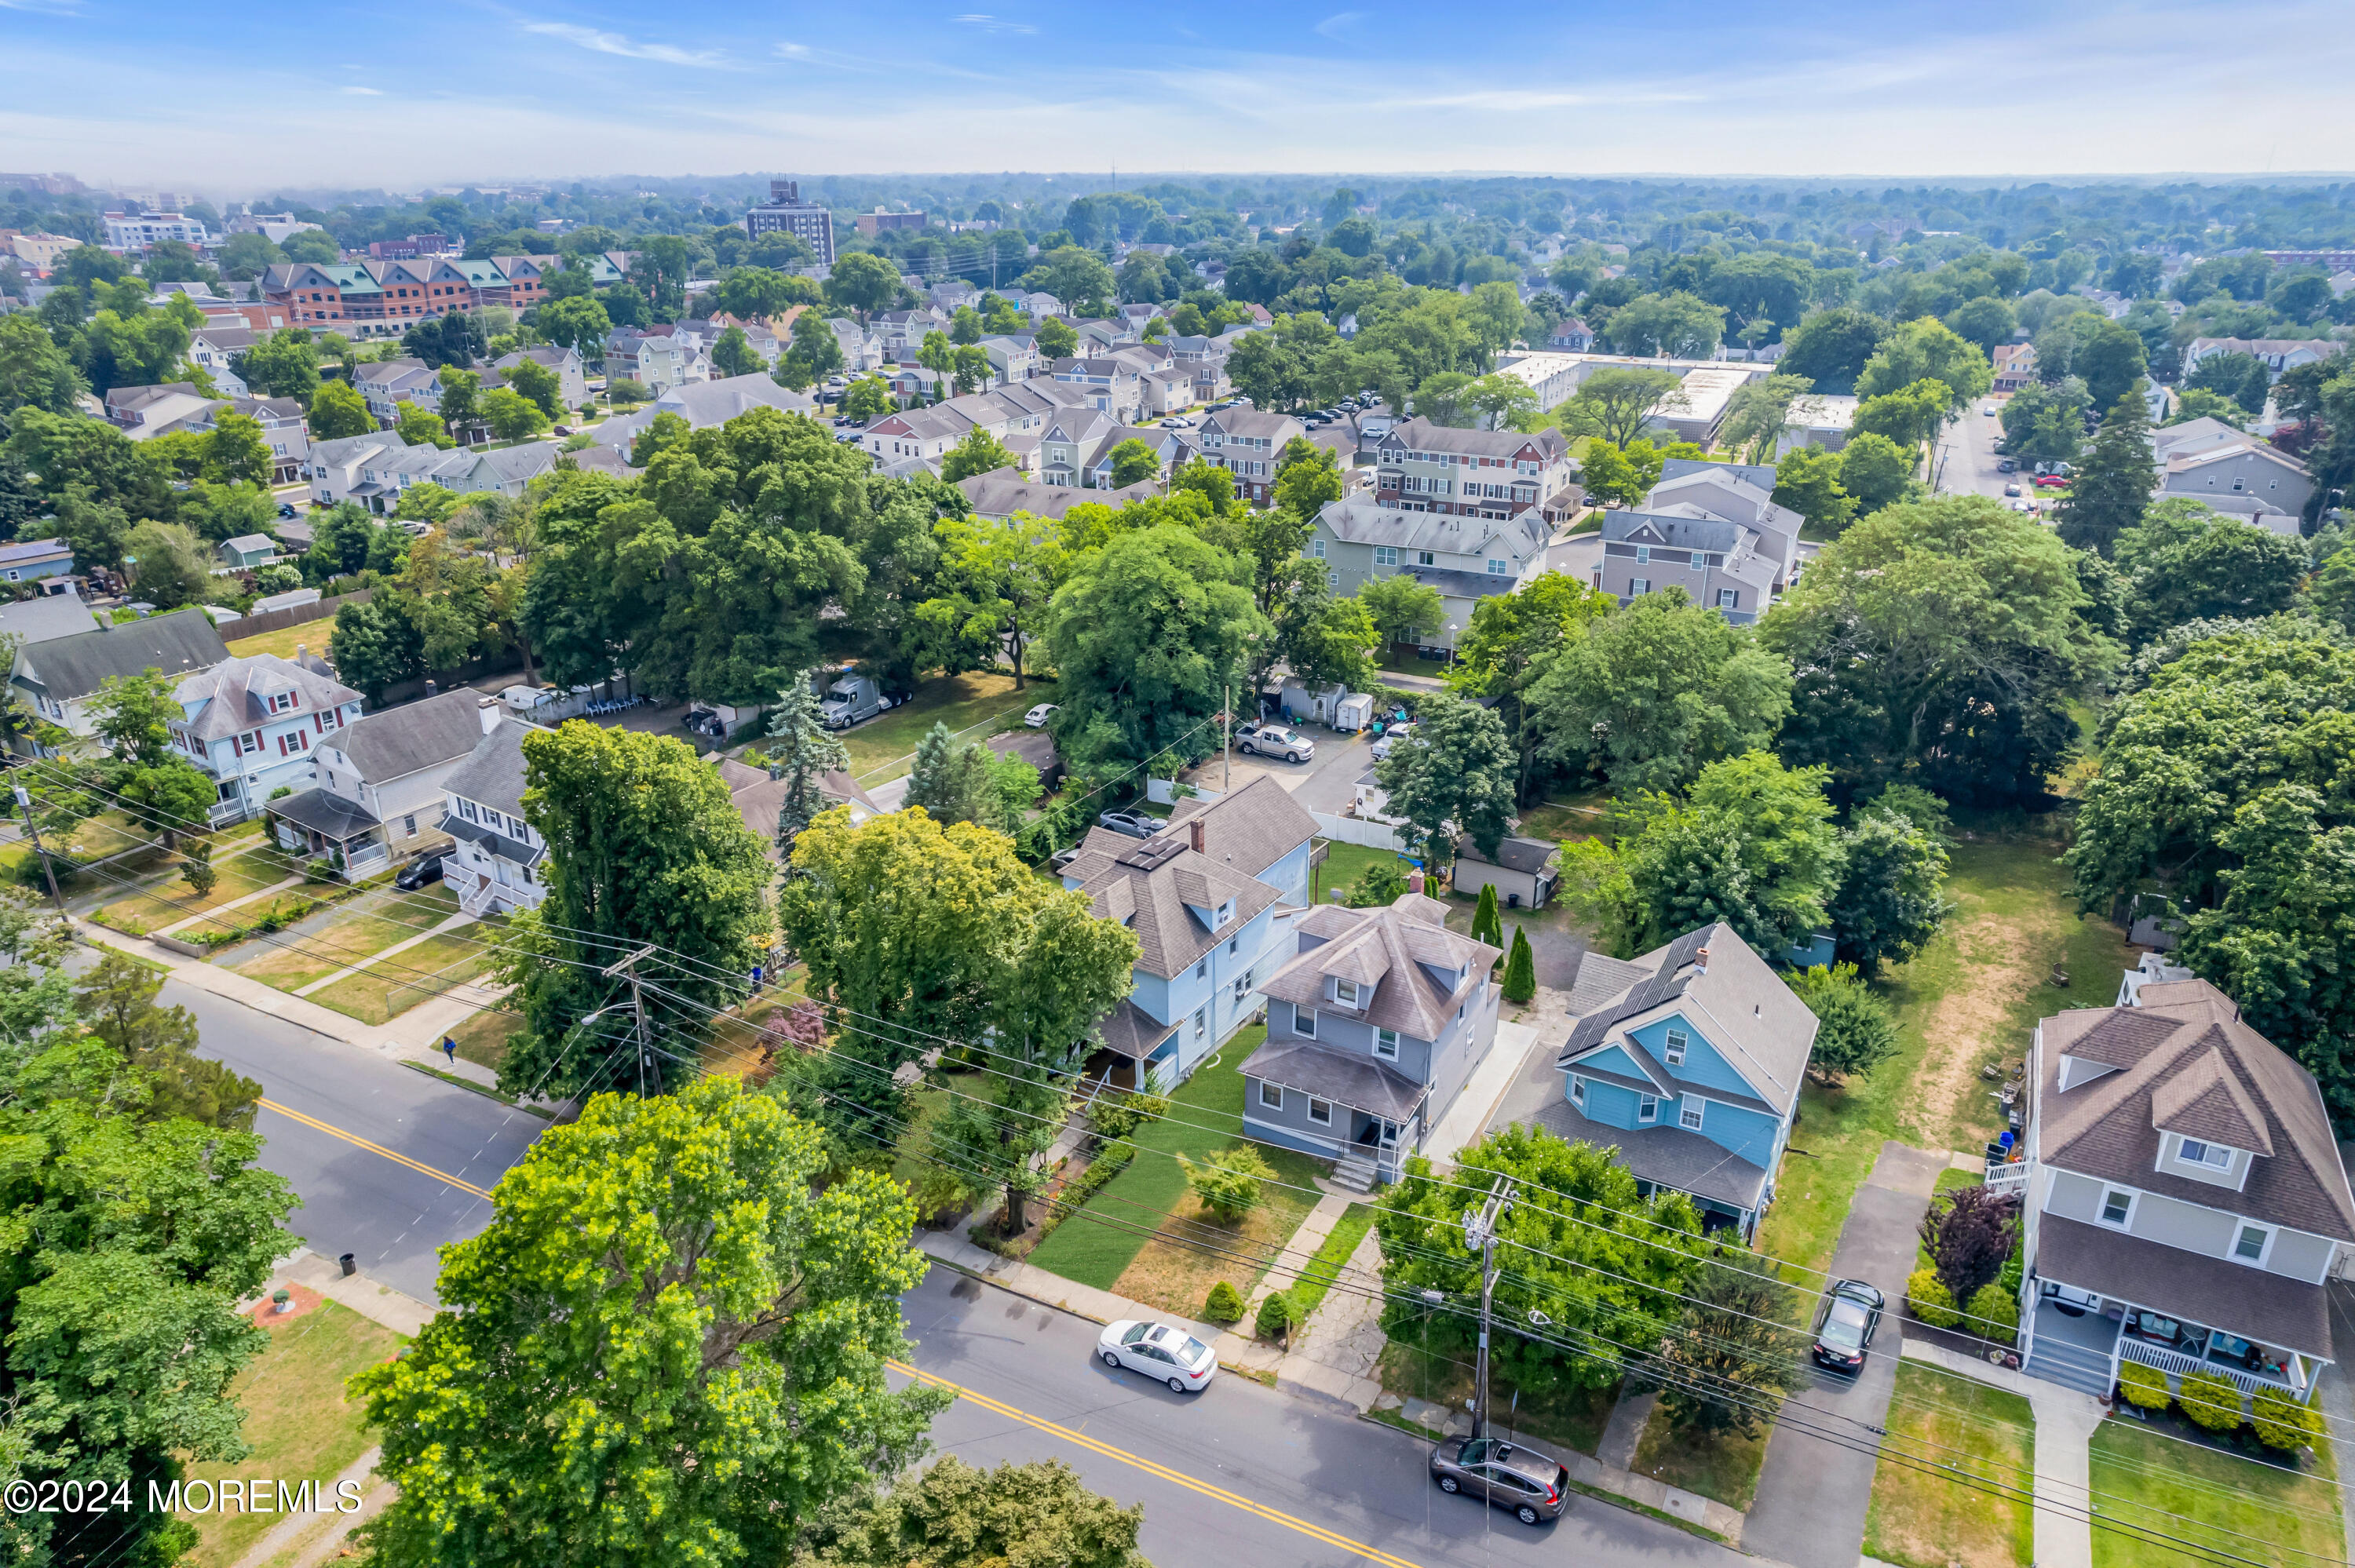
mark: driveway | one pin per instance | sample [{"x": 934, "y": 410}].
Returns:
[
  {"x": 1812, "y": 1494},
  {"x": 1328, "y": 783}
]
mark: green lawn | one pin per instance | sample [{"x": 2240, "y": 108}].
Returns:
[
  {"x": 1339, "y": 1243},
  {"x": 1723, "y": 1466},
  {"x": 1398, "y": 664},
  {"x": 1971, "y": 997},
  {"x": 2228, "y": 1508},
  {"x": 297, "y": 1418},
  {"x": 1153, "y": 1187},
  {"x": 310, "y": 634},
  {"x": 486, "y": 1036},
  {"x": 290, "y": 963},
  {"x": 382, "y": 993},
  {"x": 171, "y": 902},
  {"x": 1949, "y": 1485},
  {"x": 1344, "y": 863},
  {"x": 880, "y": 746},
  {"x": 1570, "y": 1420}
]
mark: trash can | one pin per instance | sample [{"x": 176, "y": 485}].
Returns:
[{"x": 349, "y": 1268}]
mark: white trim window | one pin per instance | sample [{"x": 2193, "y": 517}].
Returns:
[
  {"x": 1676, "y": 1042},
  {"x": 1386, "y": 555},
  {"x": 1386, "y": 1044},
  {"x": 1320, "y": 1112},
  {"x": 2208, "y": 1156},
  {"x": 1304, "y": 1022},
  {"x": 1689, "y": 1113},
  {"x": 1647, "y": 1108},
  {"x": 1202, "y": 1022},
  {"x": 1346, "y": 993},
  {"x": 2118, "y": 1207},
  {"x": 1638, "y": 586},
  {"x": 1577, "y": 1090},
  {"x": 1643, "y": 555},
  {"x": 1496, "y": 568},
  {"x": 2252, "y": 1242},
  {"x": 1271, "y": 1098}
]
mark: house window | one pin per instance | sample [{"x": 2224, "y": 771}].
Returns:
[
  {"x": 2214, "y": 1156},
  {"x": 1643, "y": 555},
  {"x": 281, "y": 702},
  {"x": 1729, "y": 598},
  {"x": 293, "y": 741},
  {"x": 1202, "y": 970},
  {"x": 1386, "y": 1044},
  {"x": 1386, "y": 555},
  {"x": 1333, "y": 579},
  {"x": 2249, "y": 1246},
  {"x": 1304, "y": 1022},
  {"x": 2117, "y": 1205},
  {"x": 409, "y": 827},
  {"x": 1577, "y": 1091},
  {"x": 1346, "y": 993},
  {"x": 1271, "y": 1097},
  {"x": 466, "y": 809},
  {"x": 1316, "y": 548},
  {"x": 1698, "y": 560},
  {"x": 1496, "y": 567},
  {"x": 1638, "y": 586},
  {"x": 1320, "y": 1112},
  {"x": 1425, "y": 558},
  {"x": 1202, "y": 1022},
  {"x": 1688, "y": 1114},
  {"x": 1676, "y": 1043},
  {"x": 1647, "y": 1107}
]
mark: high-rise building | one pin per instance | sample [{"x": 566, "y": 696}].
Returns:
[{"x": 785, "y": 212}]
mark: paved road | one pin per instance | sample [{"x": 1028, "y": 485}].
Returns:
[
  {"x": 393, "y": 1218},
  {"x": 1966, "y": 454},
  {"x": 1323, "y": 1484}
]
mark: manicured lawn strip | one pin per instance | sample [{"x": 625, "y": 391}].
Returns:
[
  {"x": 296, "y": 1417},
  {"x": 2225, "y": 1506},
  {"x": 1344, "y": 863},
  {"x": 959, "y": 701},
  {"x": 1317, "y": 1277},
  {"x": 1568, "y": 1419},
  {"x": 171, "y": 902},
  {"x": 311, "y": 634},
  {"x": 486, "y": 1036},
  {"x": 1975, "y": 1510},
  {"x": 291, "y": 963},
  {"x": 1724, "y": 1466},
  {"x": 1971, "y": 997},
  {"x": 383, "y": 992},
  {"x": 1095, "y": 1253}
]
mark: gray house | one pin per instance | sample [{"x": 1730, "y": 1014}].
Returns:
[
  {"x": 1466, "y": 559},
  {"x": 248, "y": 550},
  {"x": 58, "y": 677},
  {"x": 380, "y": 788},
  {"x": 1521, "y": 871},
  {"x": 1717, "y": 563},
  {"x": 2205, "y": 460},
  {"x": 1374, "y": 1024}
]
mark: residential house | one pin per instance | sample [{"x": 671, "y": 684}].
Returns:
[
  {"x": 1172, "y": 449},
  {"x": 1202, "y": 896},
  {"x": 654, "y": 359},
  {"x": 1717, "y": 563},
  {"x": 1246, "y": 443},
  {"x": 495, "y": 869},
  {"x": 214, "y": 347},
  {"x": 143, "y": 413},
  {"x": 284, "y": 430},
  {"x": 2184, "y": 1200},
  {"x": 1688, "y": 1061},
  {"x": 247, "y": 551},
  {"x": 58, "y": 677},
  {"x": 2231, "y": 470},
  {"x": 2277, "y": 354},
  {"x": 1068, "y": 441},
  {"x": 564, "y": 364},
  {"x": 900, "y": 334},
  {"x": 703, "y": 404},
  {"x": 1013, "y": 356},
  {"x": 1375, "y": 1021},
  {"x": 1112, "y": 386},
  {"x": 1522, "y": 871},
  {"x": 30, "y": 560},
  {"x": 1570, "y": 335},
  {"x": 1491, "y": 474},
  {"x": 375, "y": 470},
  {"x": 386, "y": 383},
  {"x": 1001, "y": 493},
  {"x": 1466, "y": 559},
  {"x": 46, "y": 617},
  {"x": 250, "y": 723},
  {"x": 2015, "y": 366},
  {"x": 759, "y": 795},
  {"x": 379, "y": 793}
]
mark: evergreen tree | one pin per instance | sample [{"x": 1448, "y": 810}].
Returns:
[
  {"x": 1487, "y": 924},
  {"x": 1520, "y": 969},
  {"x": 804, "y": 751},
  {"x": 2112, "y": 491},
  {"x": 951, "y": 779}
]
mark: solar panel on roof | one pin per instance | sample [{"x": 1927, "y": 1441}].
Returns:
[{"x": 1647, "y": 994}]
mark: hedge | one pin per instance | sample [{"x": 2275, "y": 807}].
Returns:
[
  {"x": 1225, "y": 1305},
  {"x": 2212, "y": 1399},
  {"x": 1101, "y": 1170},
  {"x": 1994, "y": 1314},
  {"x": 2144, "y": 1386},
  {"x": 1931, "y": 1300},
  {"x": 2285, "y": 1422}
]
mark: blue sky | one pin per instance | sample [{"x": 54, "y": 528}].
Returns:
[{"x": 228, "y": 100}]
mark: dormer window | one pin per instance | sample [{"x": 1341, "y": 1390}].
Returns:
[
  {"x": 1226, "y": 912},
  {"x": 1676, "y": 1042},
  {"x": 2211, "y": 1156},
  {"x": 282, "y": 702},
  {"x": 1346, "y": 993}
]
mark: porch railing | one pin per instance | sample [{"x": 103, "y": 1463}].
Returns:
[
  {"x": 226, "y": 812},
  {"x": 2003, "y": 1173},
  {"x": 2178, "y": 1363}
]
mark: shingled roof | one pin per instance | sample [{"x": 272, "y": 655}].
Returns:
[
  {"x": 2183, "y": 1062},
  {"x": 1741, "y": 1005},
  {"x": 1417, "y": 967}
]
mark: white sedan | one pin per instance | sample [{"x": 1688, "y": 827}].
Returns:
[
  {"x": 1162, "y": 1354},
  {"x": 1037, "y": 717}
]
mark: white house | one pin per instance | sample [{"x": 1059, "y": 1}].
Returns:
[
  {"x": 379, "y": 784},
  {"x": 495, "y": 867}
]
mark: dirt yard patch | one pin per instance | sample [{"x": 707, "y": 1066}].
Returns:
[
  {"x": 1191, "y": 1251},
  {"x": 1969, "y": 1019}
]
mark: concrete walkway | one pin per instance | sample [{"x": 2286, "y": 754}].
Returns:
[
  {"x": 452, "y": 924},
  {"x": 1482, "y": 1093},
  {"x": 203, "y": 914},
  {"x": 2065, "y": 1423},
  {"x": 1283, "y": 1269},
  {"x": 1624, "y": 1432},
  {"x": 1812, "y": 1494}
]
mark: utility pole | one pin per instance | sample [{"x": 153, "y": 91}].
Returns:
[
  {"x": 629, "y": 968},
  {"x": 1480, "y": 1236},
  {"x": 1226, "y": 737},
  {"x": 33, "y": 829}
]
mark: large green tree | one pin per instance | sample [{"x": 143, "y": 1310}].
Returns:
[
  {"x": 955, "y": 1515},
  {"x": 1507, "y": 646},
  {"x": 803, "y": 751},
  {"x": 1927, "y": 349},
  {"x": 34, "y": 371},
  {"x": 669, "y": 1346},
  {"x": 1616, "y": 403},
  {"x": 644, "y": 849},
  {"x": 337, "y": 410},
  {"x": 2110, "y": 493},
  {"x": 2185, "y": 562},
  {"x": 1456, "y": 779},
  {"x": 1891, "y": 896}
]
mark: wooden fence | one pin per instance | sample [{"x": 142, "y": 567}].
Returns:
[{"x": 292, "y": 615}]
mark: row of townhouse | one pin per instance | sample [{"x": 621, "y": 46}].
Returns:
[
  {"x": 2233, "y": 472},
  {"x": 2275, "y": 354},
  {"x": 1712, "y": 529},
  {"x": 143, "y": 413},
  {"x": 384, "y": 297},
  {"x": 374, "y": 470}
]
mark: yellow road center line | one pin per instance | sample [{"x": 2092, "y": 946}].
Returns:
[
  {"x": 1151, "y": 1467},
  {"x": 360, "y": 1142}
]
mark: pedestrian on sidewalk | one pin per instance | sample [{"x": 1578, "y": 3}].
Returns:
[{"x": 449, "y": 1049}]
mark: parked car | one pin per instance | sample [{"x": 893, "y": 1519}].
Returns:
[
  {"x": 1162, "y": 1354},
  {"x": 1988, "y": 410},
  {"x": 560, "y": 430},
  {"x": 1388, "y": 741},
  {"x": 2011, "y": 490},
  {"x": 2007, "y": 465},
  {"x": 418, "y": 873},
  {"x": 1274, "y": 740},
  {"x": 1514, "y": 1477},
  {"x": 1066, "y": 856},
  {"x": 1135, "y": 824},
  {"x": 1844, "y": 1328},
  {"x": 1037, "y": 717},
  {"x": 2051, "y": 481},
  {"x": 284, "y": 510},
  {"x": 1173, "y": 423}
]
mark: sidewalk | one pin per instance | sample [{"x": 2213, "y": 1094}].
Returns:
[{"x": 2065, "y": 1421}]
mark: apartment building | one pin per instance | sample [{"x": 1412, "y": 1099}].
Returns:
[
  {"x": 138, "y": 230},
  {"x": 1246, "y": 443},
  {"x": 382, "y": 297},
  {"x": 1467, "y": 559},
  {"x": 785, "y": 213},
  {"x": 1492, "y": 474}
]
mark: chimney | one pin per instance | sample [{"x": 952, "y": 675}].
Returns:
[
  {"x": 301, "y": 652},
  {"x": 1414, "y": 880},
  {"x": 1701, "y": 962},
  {"x": 488, "y": 709},
  {"x": 1194, "y": 833},
  {"x": 430, "y": 687}
]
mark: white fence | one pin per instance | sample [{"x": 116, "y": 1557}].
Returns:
[
  {"x": 1352, "y": 831},
  {"x": 1164, "y": 791}
]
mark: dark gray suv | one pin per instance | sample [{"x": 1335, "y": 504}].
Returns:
[{"x": 1522, "y": 1481}]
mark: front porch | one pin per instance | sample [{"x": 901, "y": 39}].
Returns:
[
  {"x": 1354, "y": 1111},
  {"x": 322, "y": 826},
  {"x": 2080, "y": 1338}
]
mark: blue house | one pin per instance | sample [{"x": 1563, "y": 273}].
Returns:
[
  {"x": 1688, "y": 1060},
  {"x": 1374, "y": 1024},
  {"x": 1202, "y": 896},
  {"x": 250, "y": 723}
]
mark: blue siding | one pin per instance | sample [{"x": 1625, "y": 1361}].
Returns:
[
  {"x": 1610, "y": 1103},
  {"x": 1289, "y": 875},
  {"x": 1612, "y": 1059},
  {"x": 1750, "y": 1134},
  {"x": 1702, "y": 1067}
]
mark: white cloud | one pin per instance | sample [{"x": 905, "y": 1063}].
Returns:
[
  {"x": 606, "y": 43},
  {"x": 989, "y": 23},
  {"x": 365, "y": 92},
  {"x": 1339, "y": 25},
  {"x": 793, "y": 51},
  {"x": 44, "y": 8}
]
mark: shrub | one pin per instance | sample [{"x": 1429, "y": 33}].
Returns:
[
  {"x": 1520, "y": 969},
  {"x": 2014, "y": 1269},
  {"x": 1114, "y": 1117},
  {"x": 1101, "y": 1170},
  {"x": 1275, "y": 1316},
  {"x": 2284, "y": 1422},
  {"x": 1227, "y": 1183},
  {"x": 2212, "y": 1399},
  {"x": 1488, "y": 926},
  {"x": 1993, "y": 1313},
  {"x": 1968, "y": 1237},
  {"x": 2144, "y": 1387},
  {"x": 1225, "y": 1305},
  {"x": 1931, "y": 1300}
]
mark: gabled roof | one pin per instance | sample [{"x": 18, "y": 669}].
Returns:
[
  {"x": 492, "y": 773},
  {"x": 1001, "y": 493},
  {"x": 1420, "y": 434},
  {"x": 1737, "y": 1002},
  {"x": 1526, "y": 855},
  {"x": 414, "y": 736},
  {"x": 1365, "y": 522},
  {"x": 1418, "y": 969},
  {"x": 231, "y": 697},
  {"x": 46, "y": 617},
  {"x": 2186, "y": 1063},
  {"x": 70, "y": 667}
]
